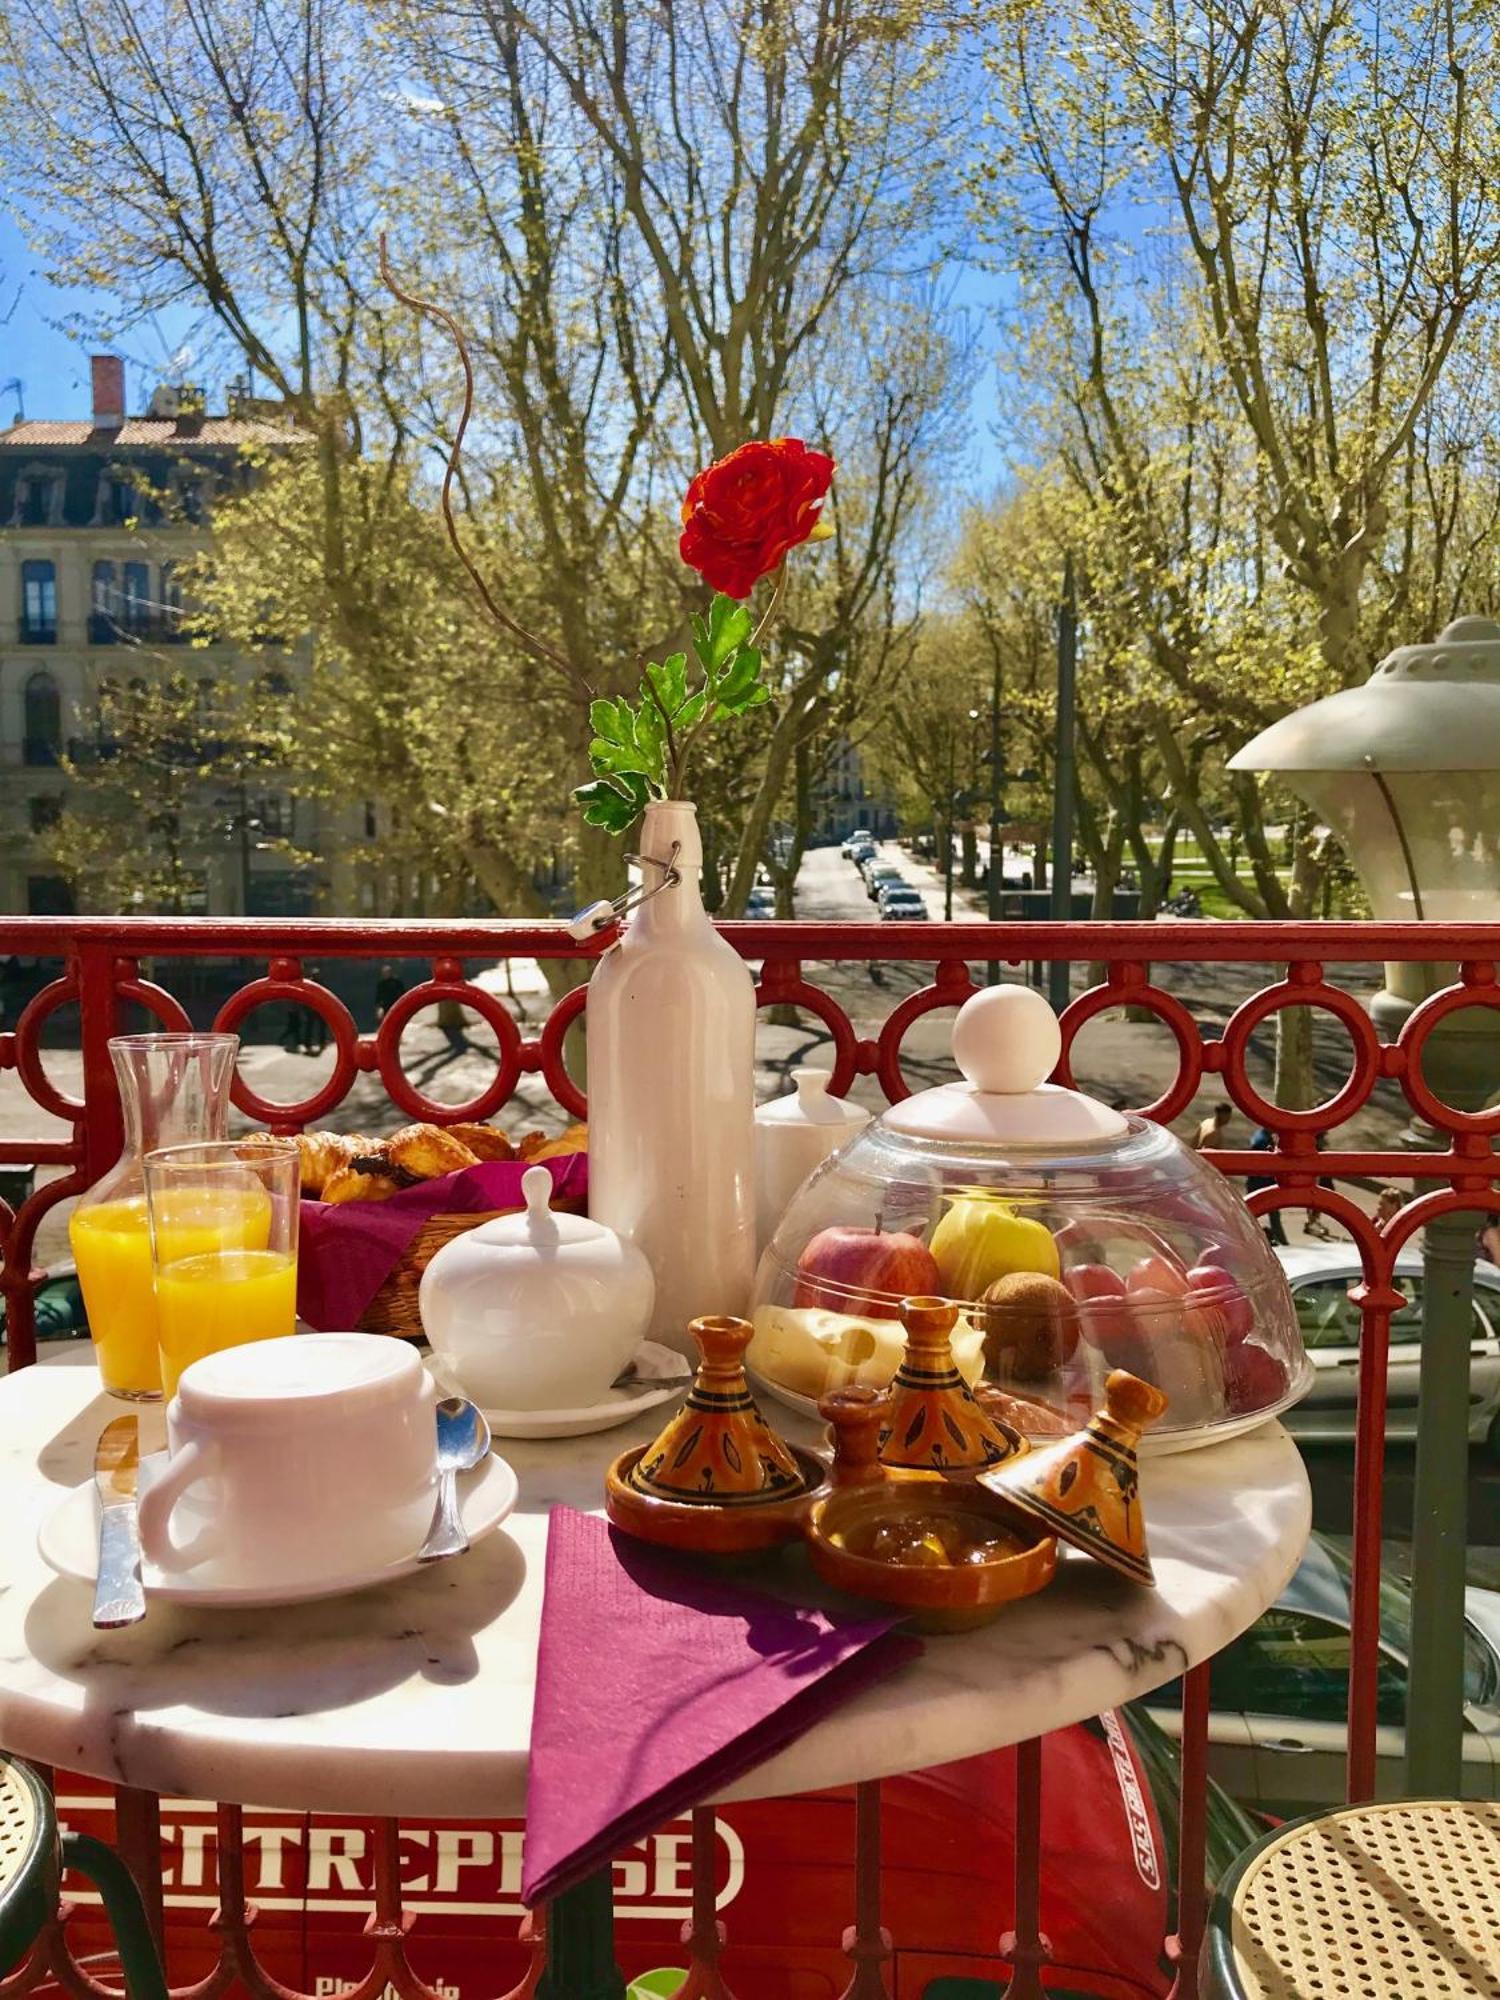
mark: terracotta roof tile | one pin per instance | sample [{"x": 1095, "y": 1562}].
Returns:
[{"x": 150, "y": 431}]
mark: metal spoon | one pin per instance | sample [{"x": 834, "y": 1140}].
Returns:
[{"x": 463, "y": 1438}]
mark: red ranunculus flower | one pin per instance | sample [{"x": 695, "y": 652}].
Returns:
[{"x": 744, "y": 512}]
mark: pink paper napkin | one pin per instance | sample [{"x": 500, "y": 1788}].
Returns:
[
  {"x": 349, "y": 1250},
  {"x": 657, "y": 1684}
]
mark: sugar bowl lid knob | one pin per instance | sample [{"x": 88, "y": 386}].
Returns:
[{"x": 1006, "y": 1040}]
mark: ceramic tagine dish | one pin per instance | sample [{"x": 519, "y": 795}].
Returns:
[
  {"x": 1073, "y": 1240},
  {"x": 952, "y": 1550},
  {"x": 717, "y": 1480},
  {"x": 945, "y": 1551}
]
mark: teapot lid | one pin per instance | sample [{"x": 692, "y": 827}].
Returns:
[
  {"x": 1006, "y": 1042},
  {"x": 811, "y": 1103},
  {"x": 539, "y": 1226}
]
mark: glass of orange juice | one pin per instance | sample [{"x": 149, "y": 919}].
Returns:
[
  {"x": 174, "y": 1088},
  {"x": 223, "y": 1218}
]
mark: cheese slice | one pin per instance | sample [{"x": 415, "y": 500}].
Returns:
[{"x": 809, "y": 1350}]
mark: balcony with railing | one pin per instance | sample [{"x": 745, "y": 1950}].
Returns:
[{"x": 202, "y": 1859}]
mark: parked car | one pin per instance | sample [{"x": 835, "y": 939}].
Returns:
[
  {"x": 784, "y": 1873},
  {"x": 881, "y": 875},
  {"x": 861, "y": 837},
  {"x": 903, "y": 906},
  {"x": 1320, "y": 1276},
  {"x": 759, "y": 906},
  {"x": 1278, "y": 1726},
  {"x": 861, "y": 852}
]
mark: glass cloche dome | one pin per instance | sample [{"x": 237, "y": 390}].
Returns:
[{"x": 1076, "y": 1239}]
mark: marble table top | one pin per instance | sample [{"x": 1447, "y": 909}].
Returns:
[{"x": 415, "y": 1697}]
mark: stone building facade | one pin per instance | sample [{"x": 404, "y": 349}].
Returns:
[{"x": 97, "y": 520}]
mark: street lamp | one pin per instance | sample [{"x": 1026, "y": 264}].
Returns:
[{"x": 1406, "y": 771}]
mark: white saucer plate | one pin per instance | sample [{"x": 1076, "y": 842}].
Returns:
[
  {"x": 68, "y": 1542},
  {"x": 657, "y": 1381},
  {"x": 1154, "y": 1444}
]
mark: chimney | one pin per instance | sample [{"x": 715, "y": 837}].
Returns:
[{"x": 108, "y": 374}]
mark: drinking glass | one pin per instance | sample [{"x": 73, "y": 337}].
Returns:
[
  {"x": 223, "y": 1246},
  {"x": 174, "y": 1090}
]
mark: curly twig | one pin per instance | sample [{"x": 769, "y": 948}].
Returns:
[{"x": 538, "y": 648}]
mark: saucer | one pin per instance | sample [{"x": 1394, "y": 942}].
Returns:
[
  {"x": 68, "y": 1541},
  {"x": 656, "y": 1375}
]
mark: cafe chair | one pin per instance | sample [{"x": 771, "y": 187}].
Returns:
[
  {"x": 32, "y": 1858},
  {"x": 1389, "y": 1899}
]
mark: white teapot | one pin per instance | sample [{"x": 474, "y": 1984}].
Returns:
[{"x": 536, "y": 1311}]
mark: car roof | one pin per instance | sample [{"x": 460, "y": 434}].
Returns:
[{"x": 1332, "y": 1260}]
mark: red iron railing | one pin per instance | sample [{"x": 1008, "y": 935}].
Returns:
[{"x": 101, "y": 976}]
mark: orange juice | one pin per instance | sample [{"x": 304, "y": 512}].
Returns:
[
  {"x": 112, "y": 1248},
  {"x": 222, "y": 1298}
]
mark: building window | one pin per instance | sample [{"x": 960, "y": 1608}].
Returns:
[
  {"x": 369, "y": 819},
  {"x": 119, "y": 499},
  {"x": 135, "y": 599},
  {"x": 104, "y": 605},
  {"x": 38, "y": 501},
  {"x": 43, "y": 720},
  {"x": 38, "y": 604},
  {"x": 190, "y": 496},
  {"x": 43, "y": 813},
  {"x": 171, "y": 602}
]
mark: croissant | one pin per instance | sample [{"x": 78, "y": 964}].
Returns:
[
  {"x": 321, "y": 1155},
  {"x": 352, "y": 1183},
  {"x": 485, "y": 1142},
  {"x": 427, "y": 1151},
  {"x": 537, "y": 1146}
]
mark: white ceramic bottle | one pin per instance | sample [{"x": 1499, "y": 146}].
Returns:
[{"x": 671, "y": 1046}]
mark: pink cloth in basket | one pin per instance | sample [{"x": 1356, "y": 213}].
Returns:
[
  {"x": 658, "y": 1683},
  {"x": 348, "y": 1250}
]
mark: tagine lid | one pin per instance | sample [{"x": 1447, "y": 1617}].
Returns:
[{"x": 1006, "y": 1043}]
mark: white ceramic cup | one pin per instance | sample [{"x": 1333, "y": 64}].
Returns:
[{"x": 294, "y": 1461}]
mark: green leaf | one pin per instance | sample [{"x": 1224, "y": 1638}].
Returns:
[
  {"x": 740, "y": 688},
  {"x": 614, "y": 804},
  {"x": 728, "y": 627},
  {"x": 611, "y": 720},
  {"x": 691, "y": 710},
  {"x": 669, "y": 680},
  {"x": 650, "y": 735}
]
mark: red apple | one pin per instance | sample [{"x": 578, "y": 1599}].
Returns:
[
  {"x": 1253, "y": 1378},
  {"x": 1157, "y": 1274},
  {"x": 1103, "y": 1313},
  {"x": 1218, "y": 1308},
  {"x": 864, "y": 1271}
]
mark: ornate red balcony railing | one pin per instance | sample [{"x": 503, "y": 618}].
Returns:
[{"x": 101, "y": 976}]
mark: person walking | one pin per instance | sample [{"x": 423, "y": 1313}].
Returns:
[
  {"x": 388, "y": 990},
  {"x": 1215, "y": 1125},
  {"x": 1262, "y": 1142}
]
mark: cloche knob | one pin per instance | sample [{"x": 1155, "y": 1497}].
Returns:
[{"x": 1006, "y": 1040}]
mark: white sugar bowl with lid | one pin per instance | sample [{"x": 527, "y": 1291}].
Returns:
[
  {"x": 538, "y": 1310},
  {"x": 794, "y": 1135}
]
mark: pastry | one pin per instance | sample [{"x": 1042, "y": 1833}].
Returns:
[
  {"x": 537, "y": 1146},
  {"x": 426, "y": 1151},
  {"x": 485, "y": 1142},
  {"x": 352, "y": 1183},
  {"x": 322, "y": 1154}
]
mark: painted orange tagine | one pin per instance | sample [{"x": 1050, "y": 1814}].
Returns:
[
  {"x": 932, "y": 1421},
  {"x": 717, "y": 1479}
]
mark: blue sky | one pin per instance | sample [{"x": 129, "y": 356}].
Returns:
[{"x": 52, "y": 364}]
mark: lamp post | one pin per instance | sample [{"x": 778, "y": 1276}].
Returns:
[{"x": 1406, "y": 771}]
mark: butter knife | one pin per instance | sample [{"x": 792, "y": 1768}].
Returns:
[{"x": 118, "y": 1596}]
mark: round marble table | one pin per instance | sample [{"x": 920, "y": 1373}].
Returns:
[{"x": 415, "y": 1698}]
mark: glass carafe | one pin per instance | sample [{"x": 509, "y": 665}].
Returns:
[{"x": 174, "y": 1089}]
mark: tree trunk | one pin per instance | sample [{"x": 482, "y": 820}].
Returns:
[
  {"x": 779, "y": 755},
  {"x": 969, "y": 872}
]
